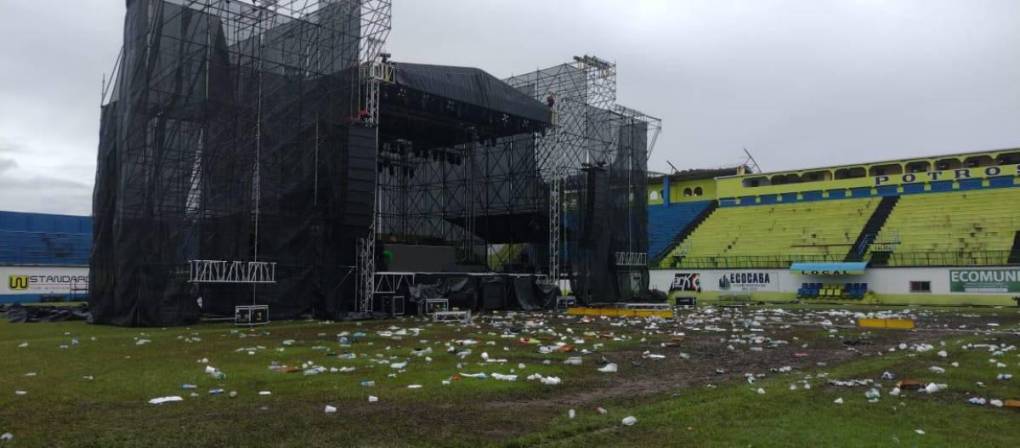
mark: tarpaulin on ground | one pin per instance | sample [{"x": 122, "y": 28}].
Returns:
[
  {"x": 483, "y": 292},
  {"x": 17, "y": 313}
]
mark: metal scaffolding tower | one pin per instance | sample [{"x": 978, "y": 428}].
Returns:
[
  {"x": 593, "y": 141},
  {"x": 213, "y": 146}
]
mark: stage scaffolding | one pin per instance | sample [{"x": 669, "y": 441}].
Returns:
[
  {"x": 595, "y": 160},
  {"x": 235, "y": 131},
  {"x": 547, "y": 184}
]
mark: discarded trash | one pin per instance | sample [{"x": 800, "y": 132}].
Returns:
[
  {"x": 6, "y": 437},
  {"x": 601, "y": 410},
  {"x": 265, "y": 393},
  {"x": 161, "y": 400},
  {"x": 373, "y": 398},
  {"x": 872, "y": 394},
  {"x": 629, "y": 420},
  {"x": 214, "y": 372},
  {"x": 608, "y": 368},
  {"x": 573, "y": 361},
  {"x": 851, "y": 383},
  {"x": 550, "y": 380},
  {"x": 330, "y": 409},
  {"x": 502, "y": 377},
  {"x": 838, "y": 400},
  {"x": 910, "y": 384},
  {"x": 571, "y": 414}
]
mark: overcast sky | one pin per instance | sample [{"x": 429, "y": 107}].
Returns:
[{"x": 799, "y": 83}]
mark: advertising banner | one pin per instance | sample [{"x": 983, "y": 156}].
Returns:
[
  {"x": 984, "y": 280},
  {"x": 746, "y": 281},
  {"x": 686, "y": 281},
  {"x": 16, "y": 280}
]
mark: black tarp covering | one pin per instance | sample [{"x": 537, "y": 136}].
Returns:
[
  {"x": 606, "y": 215},
  {"x": 226, "y": 138},
  {"x": 524, "y": 293},
  {"x": 472, "y": 86},
  {"x": 484, "y": 292}
]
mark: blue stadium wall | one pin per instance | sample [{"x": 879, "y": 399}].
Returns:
[{"x": 43, "y": 256}]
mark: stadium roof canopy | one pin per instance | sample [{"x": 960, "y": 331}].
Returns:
[
  {"x": 1011, "y": 151},
  {"x": 702, "y": 173}
]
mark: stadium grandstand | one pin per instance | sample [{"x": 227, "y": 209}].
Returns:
[
  {"x": 939, "y": 230},
  {"x": 44, "y": 257}
]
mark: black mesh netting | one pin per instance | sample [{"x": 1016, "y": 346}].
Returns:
[
  {"x": 231, "y": 133},
  {"x": 605, "y": 215}
]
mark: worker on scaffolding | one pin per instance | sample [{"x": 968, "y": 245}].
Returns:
[{"x": 550, "y": 100}]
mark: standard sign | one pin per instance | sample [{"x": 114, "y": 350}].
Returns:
[
  {"x": 42, "y": 280},
  {"x": 984, "y": 280}
]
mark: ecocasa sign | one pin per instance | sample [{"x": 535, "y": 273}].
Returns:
[{"x": 958, "y": 174}]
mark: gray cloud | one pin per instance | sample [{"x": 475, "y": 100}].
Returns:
[
  {"x": 799, "y": 83},
  {"x": 7, "y": 164},
  {"x": 43, "y": 183},
  {"x": 45, "y": 194},
  {"x": 9, "y": 147}
]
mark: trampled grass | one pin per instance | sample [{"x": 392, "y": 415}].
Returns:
[{"x": 95, "y": 392}]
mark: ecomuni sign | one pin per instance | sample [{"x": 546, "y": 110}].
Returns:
[{"x": 984, "y": 280}]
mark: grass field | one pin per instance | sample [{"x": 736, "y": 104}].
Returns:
[{"x": 86, "y": 385}]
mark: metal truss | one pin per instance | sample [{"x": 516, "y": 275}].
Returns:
[
  {"x": 554, "y": 229},
  {"x": 631, "y": 258},
  {"x": 444, "y": 195},
  {"x": 392, "y": 282},
  {"x": 223, "y": 271},
  {"x": 365, "y": 288}
]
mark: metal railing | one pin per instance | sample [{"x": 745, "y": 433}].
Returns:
[
  {"x": 933, "y": 259},
  {"x": 752, "y": 262},
  {"x": 972, "y": 258}
]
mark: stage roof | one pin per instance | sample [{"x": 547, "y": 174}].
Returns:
[{"x": 472, "y": 86}]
